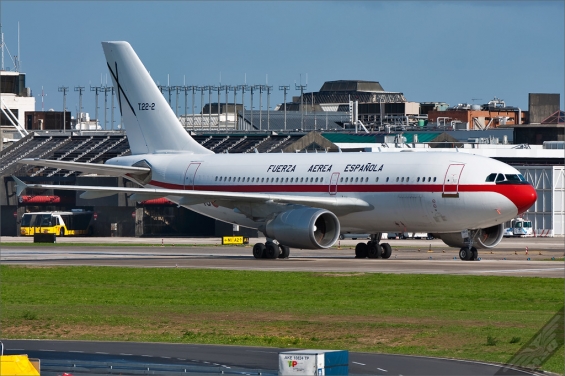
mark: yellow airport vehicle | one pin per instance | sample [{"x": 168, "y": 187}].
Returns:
[{"x": 71, "y": 223}]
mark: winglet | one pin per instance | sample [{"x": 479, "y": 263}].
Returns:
[{"x": 20, "y": 186}]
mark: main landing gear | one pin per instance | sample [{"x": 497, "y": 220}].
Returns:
[
  {"x": 373, "y": 248},
  {"x": 468, "y": 252},
  {"x": 270, "y": 250}
]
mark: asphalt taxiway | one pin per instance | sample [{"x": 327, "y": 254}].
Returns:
[{"x": 533, "y": 257}]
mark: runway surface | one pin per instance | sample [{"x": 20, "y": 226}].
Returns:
[
  {"x": 241, "y": 358},
  {"x": 409, "y": 256}
]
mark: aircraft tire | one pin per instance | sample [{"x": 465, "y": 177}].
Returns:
[
  {"x": 474, "y": 253},
  {"x": 465, "y": 254},
  {"x": 259, "y": 250},
  {"x": 361, "y": 250},
  {"x": 285, "y": 251},
  {"x": 272, "y": 250},
  {"x": 374, "y": 250},
  {"x": 387, "y": 250},
  {"x": 62, "y": 232}
]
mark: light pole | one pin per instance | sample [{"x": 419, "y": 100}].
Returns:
[
  {"x": 268, "y": 106},
  {"x": 97, "y": 90},
  {"x": 243, "y": 88},
  {"x": 219, "y": 88},
  {"x": 284, "y": 88},
  {"x": 301, "y": 87},
  {"x": 64, "y": 89},
  {"x": 234, "y": 89},
  {"x": 80, "y": 89}
]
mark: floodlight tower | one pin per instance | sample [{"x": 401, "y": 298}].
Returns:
[
  {"x": 251, "y": 90},
  {"x": 284, "y": 88},
  {"x": 261, "y": 88},
  {"x": 268, "y": 88},
  {"x": 202, "y": 89},
  {"x": 80, "y": 89},
  {"x": 210, "y": 88},
  {"x": 97, "y": 90},
  {"x": 64, "y": 89},
  {"x": 234, "y": 89},
  {"x": 243, "y": 88},
  {"x": 301, "y": 87},
  {"x": 219, "y": 88},
  {"x": 177, "y": 89}
]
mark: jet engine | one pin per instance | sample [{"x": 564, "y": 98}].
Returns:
[
  {"x": 307, "y": 228},
  {"x": 486, "y": 238}
]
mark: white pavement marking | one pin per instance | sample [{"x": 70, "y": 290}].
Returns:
[
  {"x": 518, "y": 270},
  {"x": 361, "y": 364},
  {"x": 383, "y": 370}
]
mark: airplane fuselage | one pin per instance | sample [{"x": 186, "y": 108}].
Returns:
[{"x": 408, "y": 191}]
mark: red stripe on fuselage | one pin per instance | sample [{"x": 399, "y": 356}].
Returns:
[{"x": 522, "y": 195}]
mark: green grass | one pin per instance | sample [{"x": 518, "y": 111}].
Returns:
[{"x": 469, "y": 317}]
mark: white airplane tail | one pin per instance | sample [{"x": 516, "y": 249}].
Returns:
[{"x": 151, "y": 124}]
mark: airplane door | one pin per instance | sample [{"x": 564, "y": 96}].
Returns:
[
  {"x": 451, "y": 180},
  {"x": 333, "y": 183},
  {"x": 189, "y": 176}
]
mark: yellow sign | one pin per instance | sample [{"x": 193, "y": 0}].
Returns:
[{"x": 234, "y": 240}]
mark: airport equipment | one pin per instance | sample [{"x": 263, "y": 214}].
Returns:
[{"x": 314, "y": 362}]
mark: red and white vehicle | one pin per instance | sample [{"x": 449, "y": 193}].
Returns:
[{"x": 303, "y": 200}]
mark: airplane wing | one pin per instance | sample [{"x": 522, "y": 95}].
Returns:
[
  {"x": 92, "y": 168},
  {"x": 341, "y": 205}
]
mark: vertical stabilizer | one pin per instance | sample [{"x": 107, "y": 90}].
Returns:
[{"x": 151, "y": 124}]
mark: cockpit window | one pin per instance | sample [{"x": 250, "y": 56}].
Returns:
[
  {"x": 513, "y": 177},
  {"x": 499, "y": 178},
  {"x": 491, "y": 177}
]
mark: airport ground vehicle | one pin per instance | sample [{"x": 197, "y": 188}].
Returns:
[
  {"x": 415, "y": 235},
  {"x": 71, "y": 223},
  {"x": 519, "y": 227}
]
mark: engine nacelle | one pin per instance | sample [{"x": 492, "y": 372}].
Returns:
[
  {"x": 487, "y": 237},
  {"x": 307, "y": 228}
]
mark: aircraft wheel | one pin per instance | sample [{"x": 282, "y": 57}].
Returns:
[
  {"x": 62, "y": 232},
  {"x": 465, "y": 254},
  {"x": 361, "y": 250},
  {"x": 341, "y": 237},
  {"x": 474, "y": 253},
  {"x": 374, "y": 250},
  {"x": 259, "y": 250},
  {"x": 387, "y": 250},
  {"x": 272, "y": 251},
  {"x": 285, "y": 251}
]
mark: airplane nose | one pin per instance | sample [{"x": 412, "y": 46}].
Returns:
[{"x": 523, "y": 196}]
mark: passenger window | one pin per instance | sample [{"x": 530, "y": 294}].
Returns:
[
  {"x": 311, "y": 180},
  {"x": 435, "y": 180},
  {"x": 262, "y": 180},
  {"x": 301, "y": 180},
  {"x": 397, "y": 179},
  {"x": 356, "y": 180},
  {"x": 216, "y": 178},
  {"x": 491, "y": 177},
  {"x": 346, "y": 180},
  {"x": 402, "y": 180},
  {"x": 407, "y": 179},
  {"x": 418, "y": 180},
  {"x": 229, "y": 179},
  {"x": 341, "y": 180},
  {"x": 429, "y": 179},
  {"x": 387, "y": 179},
  {"x": 377, "y": 179}
]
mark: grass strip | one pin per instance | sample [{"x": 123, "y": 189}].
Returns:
[{"x": 485, "y": 318}]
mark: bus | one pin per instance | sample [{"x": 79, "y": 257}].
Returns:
[
  {"x": 71, "y": 223},
  {"x": 519, "y": 227}
]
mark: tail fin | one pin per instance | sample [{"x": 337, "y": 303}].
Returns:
[{"x": 151, "y": 124}]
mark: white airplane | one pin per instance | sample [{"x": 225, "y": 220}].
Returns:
[{"x": 302, "y": 200}]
